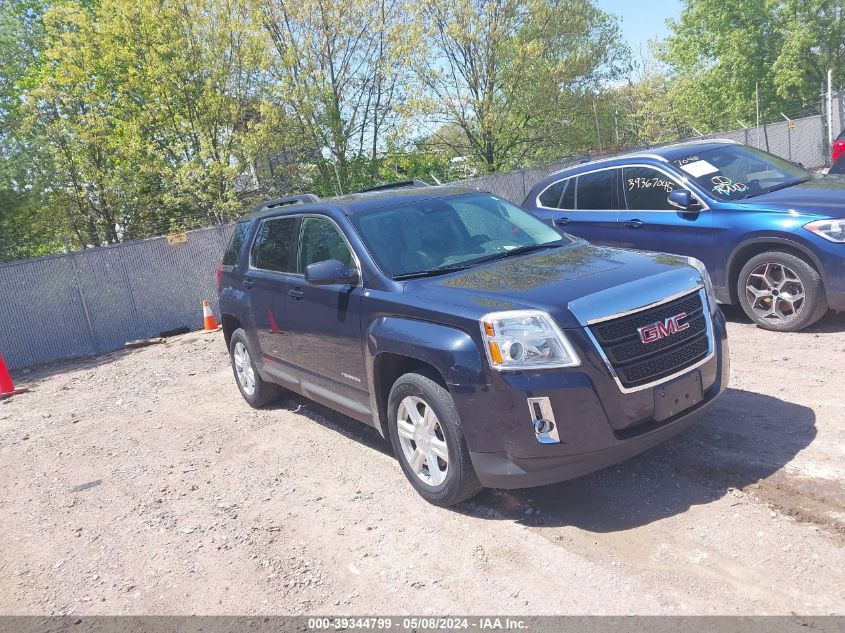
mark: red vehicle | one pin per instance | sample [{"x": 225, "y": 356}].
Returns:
[{"x": 838, "y": 147}]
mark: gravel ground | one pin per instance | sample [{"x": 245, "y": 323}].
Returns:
[{"x": 140, "y": 483}]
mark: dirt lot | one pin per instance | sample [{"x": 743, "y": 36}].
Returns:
[{"x": 141, "y": 483}]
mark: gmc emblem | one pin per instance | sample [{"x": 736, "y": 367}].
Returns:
[{"x": 662, "y": 329}]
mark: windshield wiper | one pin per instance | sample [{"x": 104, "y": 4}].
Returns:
[
  {"x": 516, "y": 251},
  {"x": 783, "y": 185},
  {"x": 450, "y": 268},
  {"x": 431, "y": 272}
]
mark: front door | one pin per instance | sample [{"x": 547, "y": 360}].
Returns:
[
  {"x": 325, "y": 324},
  {"x": 650, "y": 223}
]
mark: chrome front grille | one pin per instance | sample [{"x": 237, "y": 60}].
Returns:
[{"x": 637, "y": 364}]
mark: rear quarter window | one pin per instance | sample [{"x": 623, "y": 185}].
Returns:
[
  {"x": 236, "y": 242},
  {"x": 551, "y": 196}
]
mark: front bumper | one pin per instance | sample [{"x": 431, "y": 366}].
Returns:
[
  {"x": 598, "y": 424},
  {"x": 831, "y": 264}
]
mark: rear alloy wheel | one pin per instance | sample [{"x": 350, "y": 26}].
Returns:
[
  {"x": 255, "y": 390},
  {"x": 781, "y": 292},
  {"x": 428, "y": 441}
]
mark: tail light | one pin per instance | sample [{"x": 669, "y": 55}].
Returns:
[
  {"x": 838, "y": 148},
  {"x": 219, "y": 274}
]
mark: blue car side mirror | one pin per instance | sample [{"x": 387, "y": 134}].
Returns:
[
  {"x": 329, "y": 272},
  {"x": 683, "y": 199}
]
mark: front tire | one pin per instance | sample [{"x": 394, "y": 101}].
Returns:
[
  {"x": 781, "y": 292},
  {"x": 254, "y": 389},
  {"x": 425, "y": 430}
]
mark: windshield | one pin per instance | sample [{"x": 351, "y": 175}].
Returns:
[
  {"x": 734, "y": 172},
  {"x": 443, "y": 234}
]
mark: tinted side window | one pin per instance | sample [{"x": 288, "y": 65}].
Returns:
[
  {"x": 236, "y": 241},
  {"x": 595, "y": 190},
  {"x": 568, "y": 200},
  {"x": 647, "y": 189},
  {"x": 320, "y": 240},
  {"x": 271, "y": 250},
  {"x": 551, "y": 196}
]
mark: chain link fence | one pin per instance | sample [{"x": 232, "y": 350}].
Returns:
[{"x": 93, "y": 301}]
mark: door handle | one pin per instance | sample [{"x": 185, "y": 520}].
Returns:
[
  {"x": 247, "y": 283},
  {"x": 562, "y": 221},
  {"x": 634, "y": 224},
  {"x": 296, "y": 293}
]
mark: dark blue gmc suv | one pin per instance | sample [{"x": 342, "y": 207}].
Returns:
[
  {"x": 490, "y": 348},
  {"x": 771, "y": 235}
]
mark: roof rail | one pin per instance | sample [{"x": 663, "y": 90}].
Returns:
[
  {"x": 304, "y": 198},
  {"x": 402, "y": 184}
]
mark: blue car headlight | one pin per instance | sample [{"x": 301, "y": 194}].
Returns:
[{"x": 831, "y": 230}]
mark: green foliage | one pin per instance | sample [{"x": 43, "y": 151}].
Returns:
[
  {"x": 720, "y": 50},
  {"x": 122, "y": 119},
  {"x": 513, "y": 75}
]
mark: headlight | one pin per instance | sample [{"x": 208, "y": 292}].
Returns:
[
  {"x": 708, "y": 283},
  {"x": 833, "y": 230},
  {"x": 525, "y": 339}
]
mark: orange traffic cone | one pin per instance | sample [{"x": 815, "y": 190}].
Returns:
[
  {"x": 208, "y": 320},
  {"x": 7, "y": 387}
]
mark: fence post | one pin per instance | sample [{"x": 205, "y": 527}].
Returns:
[
  {"x": 128, "y": 285},
  {"x": 95, "y": 343},
  {"x": 788, "y": 134}
]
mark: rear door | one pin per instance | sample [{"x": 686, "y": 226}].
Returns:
[
  {"x": 271, "y": 271},
  {"x": 588, "y": 206},
  {"x": 325, "y": 323},
  {"x": 650, "y": 223}
]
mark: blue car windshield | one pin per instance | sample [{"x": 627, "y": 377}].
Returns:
[
  {"x": 735, "y": 172},
  {"x": 438, "y": 235}
]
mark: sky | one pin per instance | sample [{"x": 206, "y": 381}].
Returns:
[{"x": 642, "y": 20}]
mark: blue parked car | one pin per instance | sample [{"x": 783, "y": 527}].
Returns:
[
  {"x": 771, "y": 235},
  {"x": 490, "y": 348}
]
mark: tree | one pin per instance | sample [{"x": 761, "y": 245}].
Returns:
[
  {"x": 506, "y": 72},
  {"x": 721, "y": 51},
  {"x": 143, "y": 108},
  {"x": 813, "y": 42},
  {"x": 338, "y": 71}
]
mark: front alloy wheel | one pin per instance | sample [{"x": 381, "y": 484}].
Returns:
[
  {"x": 428, "y": 440},
  {"x": 422, "y": 440}
]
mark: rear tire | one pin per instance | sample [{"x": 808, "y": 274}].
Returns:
[
  {"x": 781, "y": 292},
  {"x": 254, "y": 389},
  {"x": 422, "y": 446}
]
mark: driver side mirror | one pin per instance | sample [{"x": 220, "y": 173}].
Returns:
[
  {"x": 684, "y": 200},
  {"x": 330, "y": 271}
]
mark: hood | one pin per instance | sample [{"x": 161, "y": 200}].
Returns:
[
  {"x": 825, "y": 196},
  {"x": 619, "y": 280}
]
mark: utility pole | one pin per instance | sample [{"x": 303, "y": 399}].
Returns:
[
  {"x": 757, "y": 103},
  {"x": 616, "y": 123},
  {"x": 830, "y": 107},
  {"x": 598, "y": 131}
]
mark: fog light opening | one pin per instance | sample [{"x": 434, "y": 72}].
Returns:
[{"x": 543, "y": 421}]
